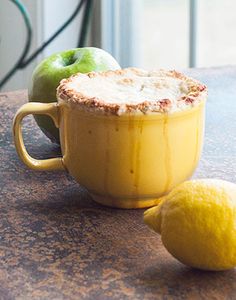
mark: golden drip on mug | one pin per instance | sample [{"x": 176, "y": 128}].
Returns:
[
  {"x": 137, "y": 154},
  {"x": 131, "y": 144},
  {"x": 107, "y": 158},
  {"x": 133, "y": 153},
  {"x": 197, "y": 142},
  {"x": 167, "y": 154}
]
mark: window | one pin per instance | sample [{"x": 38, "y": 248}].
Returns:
[{"x": 169, "y": 33}]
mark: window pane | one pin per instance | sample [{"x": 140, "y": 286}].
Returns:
[
  {"x": 164, "y": 33},
  {"x": 216, "y": 32}
]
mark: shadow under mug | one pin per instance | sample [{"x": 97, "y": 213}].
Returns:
[{"x": 126, "y": 161}]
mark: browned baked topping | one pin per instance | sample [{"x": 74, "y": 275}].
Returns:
[{"x": 132, "y": 90}]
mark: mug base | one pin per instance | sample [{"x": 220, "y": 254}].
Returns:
[{"x": 126, "y": 203}]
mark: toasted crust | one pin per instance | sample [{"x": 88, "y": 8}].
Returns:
[{"x": 189, "y": 92}]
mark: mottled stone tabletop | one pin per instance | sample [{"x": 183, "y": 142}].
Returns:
[{"x": 56, "y": 243}]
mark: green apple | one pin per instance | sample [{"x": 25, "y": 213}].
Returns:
[{"x": 48, "y": 74}]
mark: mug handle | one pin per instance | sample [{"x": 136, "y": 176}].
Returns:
[{"x": 50, "y": 109}]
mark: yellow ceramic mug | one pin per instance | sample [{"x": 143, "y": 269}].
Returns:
[{"x": 125, "y": 161}]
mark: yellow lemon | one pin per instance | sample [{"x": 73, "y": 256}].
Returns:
[{"x": 197, "y": 223}]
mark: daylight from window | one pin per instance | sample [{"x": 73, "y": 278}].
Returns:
[{"x": 164, "y": 36}]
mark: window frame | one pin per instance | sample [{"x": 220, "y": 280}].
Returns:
[{"x": 115, "y": 29}]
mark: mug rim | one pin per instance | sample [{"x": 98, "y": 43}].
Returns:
[{"x": 151, "y": 116}]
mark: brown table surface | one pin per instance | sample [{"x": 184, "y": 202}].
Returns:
[{"x": 56, "y": 243}]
